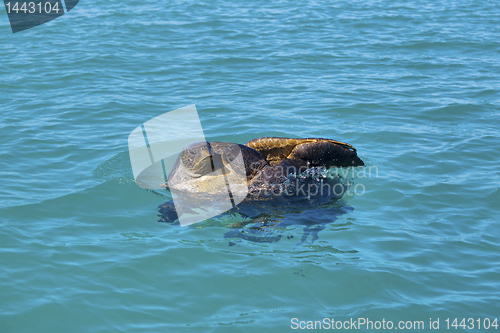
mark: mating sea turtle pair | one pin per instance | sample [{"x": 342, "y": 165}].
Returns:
[
  {"x": 204, "y": 171},
  {"x": 264, "y": 162}
]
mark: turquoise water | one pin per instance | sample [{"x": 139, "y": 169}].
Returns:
[{"x": 414, "y": 86}]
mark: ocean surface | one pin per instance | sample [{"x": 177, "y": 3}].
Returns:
[{"x": 413, "y": 85}]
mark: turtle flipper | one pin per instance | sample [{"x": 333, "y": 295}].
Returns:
[{"x": 167, "y": 212}]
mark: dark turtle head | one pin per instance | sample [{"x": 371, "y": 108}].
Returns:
[
  {"x": 342, "y": 156},
  {"x": 326, "y": 153}
]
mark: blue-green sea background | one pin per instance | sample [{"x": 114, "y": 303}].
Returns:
[{"x": 414, "y": 86}]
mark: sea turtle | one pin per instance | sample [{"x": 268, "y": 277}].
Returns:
[{"x": 204, "y": 169}]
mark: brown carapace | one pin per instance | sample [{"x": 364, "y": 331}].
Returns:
[{"x": 306, "y": 152}]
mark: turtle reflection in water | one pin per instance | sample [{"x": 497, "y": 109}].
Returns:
[{"x": 278, "y": 174}]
